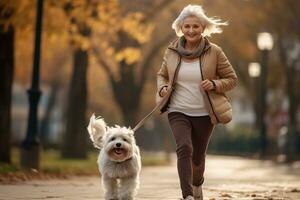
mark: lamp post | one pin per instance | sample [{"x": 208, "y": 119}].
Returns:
[
  {"x": 31, "y": 146},
  {"x": 265, "y": 44},
  {"x": 254, "y": 69}
]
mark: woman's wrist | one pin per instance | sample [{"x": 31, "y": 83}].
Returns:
[{"x": 214, "y": 84}]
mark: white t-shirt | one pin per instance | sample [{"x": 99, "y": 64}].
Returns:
[{"x": 187, "y": 97}]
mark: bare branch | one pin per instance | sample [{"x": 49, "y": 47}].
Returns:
[{"x": 103, "y": 64}]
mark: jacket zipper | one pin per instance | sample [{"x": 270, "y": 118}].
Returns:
[
  {"x": 212, "y": 108},
  {"x": 172, "y": 85},
  {"x": 176, "y": 73}
]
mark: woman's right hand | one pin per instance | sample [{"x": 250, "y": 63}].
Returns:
[{"x": 163, "y": 91}]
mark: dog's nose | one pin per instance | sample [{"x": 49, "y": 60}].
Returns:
[{"x": 118, "y": 144}]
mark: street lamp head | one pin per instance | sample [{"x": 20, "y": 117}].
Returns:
[
  {"x": 254, "y": 69},
  {"x": 265, "y": 41}
]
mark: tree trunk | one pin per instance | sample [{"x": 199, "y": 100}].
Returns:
[
  {"x": 292, "y": 89},
  {"x": 6, "y": 77},
  {"x": 75, "y": 138},
  {"x": 127, "y": 94}
]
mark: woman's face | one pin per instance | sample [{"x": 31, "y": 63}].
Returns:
[{"x": 192, "y": 29}]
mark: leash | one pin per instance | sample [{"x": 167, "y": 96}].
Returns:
[{"x": 141, "y": 123}]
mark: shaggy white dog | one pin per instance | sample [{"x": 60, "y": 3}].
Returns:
[{"x": 119, "y": 159}]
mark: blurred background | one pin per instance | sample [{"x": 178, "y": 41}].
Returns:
[{"x": 102, "y": 56}]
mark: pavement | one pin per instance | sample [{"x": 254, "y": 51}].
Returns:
[{"x": 226, "y": 178}]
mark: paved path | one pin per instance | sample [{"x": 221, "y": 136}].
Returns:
[{"x": 226, "y": 178}]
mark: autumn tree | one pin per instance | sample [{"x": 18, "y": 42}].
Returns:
[
  {"x": 53, "y": 32},
  {"x": 77, "y": 13},
  {"x": 10, "y": 11},
  {"x": 89, "y": 18},
  {"x": 127, "y": 51}
]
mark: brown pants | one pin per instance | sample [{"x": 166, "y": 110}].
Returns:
[{"x": 192, "y": 136}]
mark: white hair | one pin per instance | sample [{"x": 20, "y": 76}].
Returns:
[{"x": 211, "y": 25}]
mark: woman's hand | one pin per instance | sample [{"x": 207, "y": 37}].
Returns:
[
  {"x": 163, "y": 91},
  {"x": 207, "y": 85}
]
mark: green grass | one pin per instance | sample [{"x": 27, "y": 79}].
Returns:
[
  {"x": 154, "y": 159},
  {"x": 51, "y": 164}
]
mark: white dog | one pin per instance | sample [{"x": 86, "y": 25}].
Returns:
[{"x": 119, "y": 160}]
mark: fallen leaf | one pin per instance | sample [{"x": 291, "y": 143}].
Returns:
[
  {"x": 225, "y": 195},
  {"x": 295, "y": 190}
]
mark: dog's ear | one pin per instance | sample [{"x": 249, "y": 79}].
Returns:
[
  {"x": 130, "y": 131},
  {"x": 96, "y": 129}
]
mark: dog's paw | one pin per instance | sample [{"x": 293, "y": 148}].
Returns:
[
  {"x": 111, "y": 198},
  {"x": 126, "y": 197}
]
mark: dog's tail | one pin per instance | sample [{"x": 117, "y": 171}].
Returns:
[{"x": 96, "y": 129}]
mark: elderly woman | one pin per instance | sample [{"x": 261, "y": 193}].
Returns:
[{"x": 192, "y": 81}]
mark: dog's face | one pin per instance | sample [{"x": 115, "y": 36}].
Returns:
[{"x": 119, "y": 143}]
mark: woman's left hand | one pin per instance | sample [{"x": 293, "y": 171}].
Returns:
[{"x": 207, "y": 85}]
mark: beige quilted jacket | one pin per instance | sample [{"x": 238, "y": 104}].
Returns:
[{"x": 214, "y": 66}]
